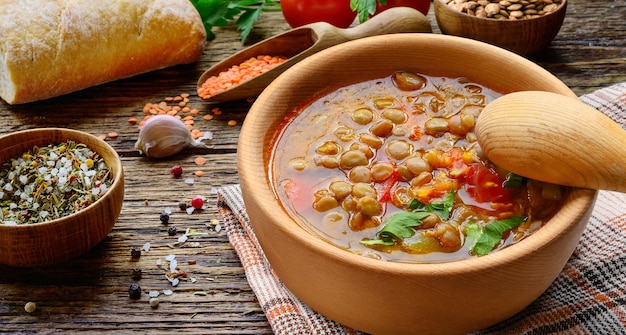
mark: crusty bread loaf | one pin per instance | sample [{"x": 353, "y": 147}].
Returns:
[{"x": 53, "y": 47}]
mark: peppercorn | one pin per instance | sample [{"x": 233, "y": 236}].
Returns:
[
  {"x": 176, "y": 171},
  {"x": 197, "y": 202},
  {"x": 182, "y": 206},
  {"x": 136, "y": 274},
  {"x": 171, "y": 231},
  {"x": 134, "y": 291},
  {"x": 165, "y": 218},
  {"x": 135, "y": 252}
]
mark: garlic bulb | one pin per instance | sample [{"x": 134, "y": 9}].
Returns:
[{"x": 164, "y": 135}]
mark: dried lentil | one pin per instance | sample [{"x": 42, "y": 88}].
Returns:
[
  {"x": 505, "y": 9},
  {"x": 238, "y": 74}
]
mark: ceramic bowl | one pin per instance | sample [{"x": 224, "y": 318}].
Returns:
[
  {"x": 523, "y": 36},
  {"x": 62, "y": 239},
  {"x": 381, "y": 297}
]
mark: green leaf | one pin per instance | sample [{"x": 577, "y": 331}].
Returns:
[
  {"x": 513, "y": 180},
  {"x": 443, "y": 208},
  {"x": 398, "y": 227},
  {"x": 246, "y": 21},
  {"x": 365, "y": 8},
  {"x": 219, "y": 13},
  {"x": 486, "y": 238}
]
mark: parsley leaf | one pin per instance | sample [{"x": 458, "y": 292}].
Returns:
[
  {"x": 399, "y": 226},
  {"x": 442, "y": 208},
  {"x": 513, "y": 180},
  {"x": 219, "y": 13},
  {"x": 486, "y": 238},
  {"x": 402, "y": 225},
  {"x": 365, "y": 8}
]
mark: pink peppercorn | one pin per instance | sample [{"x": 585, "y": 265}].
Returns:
[
  {"x": 176, "y": 171},
  {"x": 197, "y": 202}
]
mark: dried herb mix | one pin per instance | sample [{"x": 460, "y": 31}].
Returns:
[{"x": 50, "y": 182}]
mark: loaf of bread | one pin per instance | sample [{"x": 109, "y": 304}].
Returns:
[{"x": 53, "y": 47}]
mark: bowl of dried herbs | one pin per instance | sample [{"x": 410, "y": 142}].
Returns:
[{"x": 61, "y": 192}]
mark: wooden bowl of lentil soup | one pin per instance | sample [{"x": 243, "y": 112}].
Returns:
[
  {"x": 372, "y": 291},
  {"x": 61, "y": 193},
  {"x": 524, "y": 27}
]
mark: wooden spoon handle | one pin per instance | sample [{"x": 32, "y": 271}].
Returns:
[
  {"x": 391, "y": 21},
  {"x": 554, "y": 138}
]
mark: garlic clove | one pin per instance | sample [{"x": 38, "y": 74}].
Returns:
[{"x": 164, "y": 135}]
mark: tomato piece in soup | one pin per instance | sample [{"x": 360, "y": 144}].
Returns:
[{"x": 485, "y": 185}]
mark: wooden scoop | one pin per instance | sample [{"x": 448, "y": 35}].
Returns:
[
  {"x": 301, "y": 42},
  {"x": 554, "y": 138}
]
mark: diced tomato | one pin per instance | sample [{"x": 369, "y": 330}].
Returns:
[
  {"x": 485, "y": 185},
  {"x": 387, "y": 187}
]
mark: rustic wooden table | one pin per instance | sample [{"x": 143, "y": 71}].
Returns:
[{"x": 91, "y": 293}]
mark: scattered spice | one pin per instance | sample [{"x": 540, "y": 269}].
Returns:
[
  {"x": 135, "y": 252},
  {"x": 165, "y": 218},
  {"x": 238, "y": 74},
  {"x": 183, "y": 206},
  {"x": 176, "y": 171},
  {"x": 171, "y": 231},
  {"x": 136, "y": 274},
  {"x": 154, "y": 303},
  {"x": 134, "y": 291},
  {"x": 197, "y": 202},
  {"x": 30, "y": 307},
  {"x": 50, "y": 182}
]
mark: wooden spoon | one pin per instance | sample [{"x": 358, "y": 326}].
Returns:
[
  {"x": 301, "y": 42},
  {"x": 554, "y": 138}
]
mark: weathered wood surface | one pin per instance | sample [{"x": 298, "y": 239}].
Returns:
[{"x": 90, "y": 294}]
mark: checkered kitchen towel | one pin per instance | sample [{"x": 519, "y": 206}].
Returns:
[{"x": 588, "y": 297}]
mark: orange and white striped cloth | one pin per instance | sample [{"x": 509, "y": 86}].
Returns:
[{"x": 588, "y": 297}]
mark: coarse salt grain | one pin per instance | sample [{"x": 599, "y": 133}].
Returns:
[
  {"x": 167, "y": 292},
  {"x": 146, "y": 247}
]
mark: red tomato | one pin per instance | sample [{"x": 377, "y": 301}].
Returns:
[
  {"x": 421, "y": 5},
  {"x": 485, "y": 185},
  {"x": 301, "y": 12}
]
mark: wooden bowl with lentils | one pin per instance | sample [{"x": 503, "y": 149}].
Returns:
[
  {"x": 61, "y": 192},
  {"x": 522, "y": 26}
]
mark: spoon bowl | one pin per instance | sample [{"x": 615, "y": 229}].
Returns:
[
  {"x": 554, "y": 138},
  {"x": 299, "y": 43}
]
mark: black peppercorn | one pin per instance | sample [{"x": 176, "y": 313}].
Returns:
[
  {"x": 182, "y": 206},
  {"x": 136, "y": 274},
  {"x": 135, "y": 252},
  {"x": 165, "y": 218},
  {"x": 134, "y": 291},
  {"x": 171, "y": 231}
]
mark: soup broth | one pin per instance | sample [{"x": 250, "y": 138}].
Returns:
[{"x": 391, "y": 169}]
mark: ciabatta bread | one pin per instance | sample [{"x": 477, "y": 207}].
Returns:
[{"x": 53, "y": 47}]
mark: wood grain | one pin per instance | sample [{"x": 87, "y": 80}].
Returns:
[{"x": 90, "y": 294}]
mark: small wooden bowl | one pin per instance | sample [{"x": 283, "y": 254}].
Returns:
[
  {"x": 59, "y": 240},
  {"x": 382, "y": 297},
  {"x": 524, "y": 36}
]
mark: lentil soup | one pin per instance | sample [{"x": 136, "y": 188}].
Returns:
[{"x": 391, "y": 169}]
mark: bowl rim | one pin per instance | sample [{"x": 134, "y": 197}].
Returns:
[
  {"x": 578, "y": 200},
  {"x": 117, "y": 180},
  {"x": 561, "y": 7}
]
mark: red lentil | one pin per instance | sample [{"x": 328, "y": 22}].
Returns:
[{"x": 238, "y": 74}]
